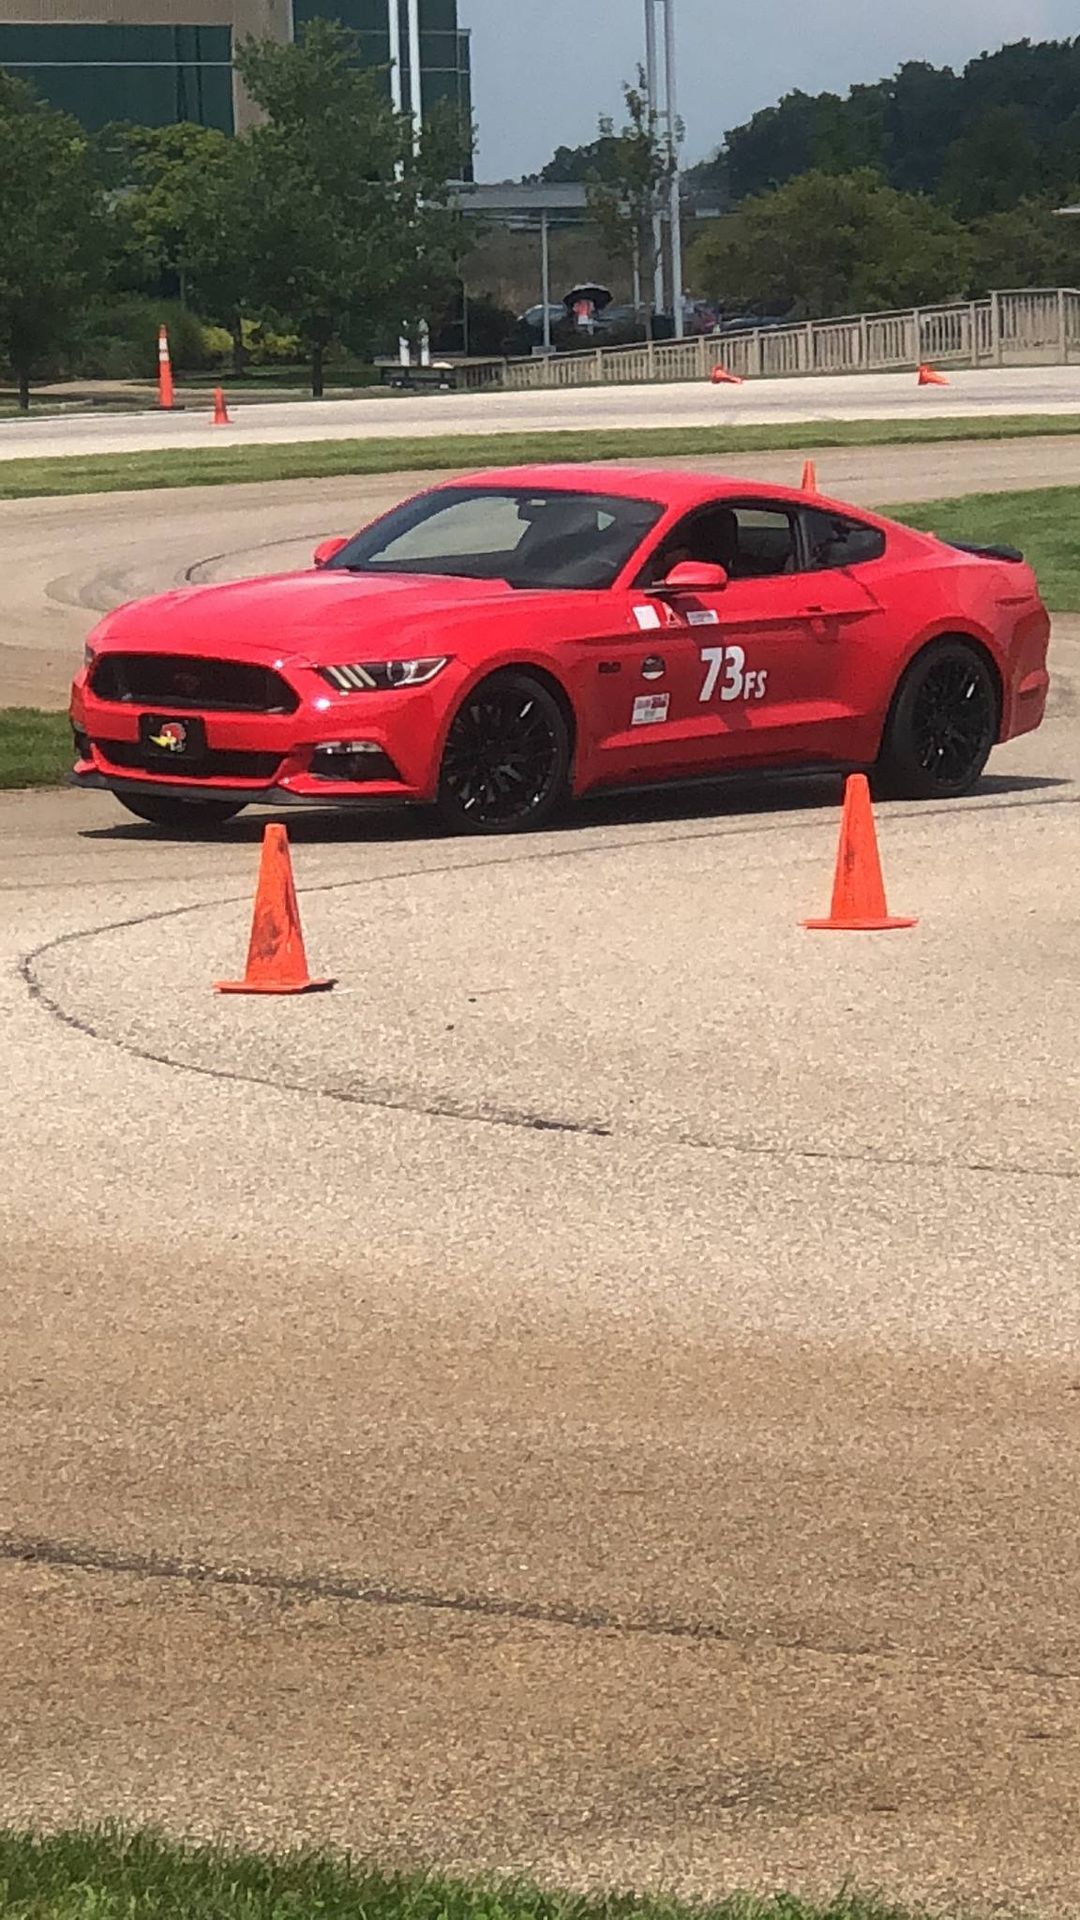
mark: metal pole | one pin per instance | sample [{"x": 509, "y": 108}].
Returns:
[
  {"x": 652, "y": 73},
  {"x": 545, "y": 277},
  {"x": 397, "y": 101},
  {"x": 675, "y": 200},
  {"x": 416, "y": 105}
]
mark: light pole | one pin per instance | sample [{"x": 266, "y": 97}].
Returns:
[
  {"x": 675, "y": 200},
  {"x": 669, "y": 116}
]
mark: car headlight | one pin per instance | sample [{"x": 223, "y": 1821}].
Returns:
[{"x": 370, "y": 676}]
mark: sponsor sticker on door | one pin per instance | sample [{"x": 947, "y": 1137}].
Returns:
[{"x": 650, "y": 709}]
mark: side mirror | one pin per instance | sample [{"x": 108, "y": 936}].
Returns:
[
  {"x": 326, "y": 549},
  {"x": 693, "y": 576}
]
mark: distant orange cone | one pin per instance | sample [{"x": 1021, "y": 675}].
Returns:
[
  {"x": 809, "y": 477},
  {"x": 930, "y": 377},
  {"x": 221, "y": 411},
  {"x": 858, "y": 900},
  {"x": 164, "y": 371},
  {"x": 720, "y": 377},
  {"x": 276, "y": 961}
]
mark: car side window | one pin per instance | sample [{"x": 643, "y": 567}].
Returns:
[
  {"x": 832, "y": 540},
  {"x": 750, "y": 542}
]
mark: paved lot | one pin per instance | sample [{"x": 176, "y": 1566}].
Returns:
[
  {"x": 689, "y": 403},
  {"x": 64, "y": 561},
  {"x": 597, "y": 1394}
]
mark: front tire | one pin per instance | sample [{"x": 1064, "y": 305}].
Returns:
[
  {"x": 181, "y": 816},
  {"x": 942, "y": 726},
  {"x": 506, "y": 763}
]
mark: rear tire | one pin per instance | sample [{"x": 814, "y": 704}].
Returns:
[
  {"x": 181, "y": 816},
  {"x": 942, "y": 725},
  {"x": 506, "y": 763}
]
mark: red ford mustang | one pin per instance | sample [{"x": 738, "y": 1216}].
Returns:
[{"x": 500, "y": 643}]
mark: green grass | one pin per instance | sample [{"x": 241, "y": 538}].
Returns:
[
  {"x": 35, "y": 747},
  {"x": 104, "y": 1874},
  {"x": 1045, "y": 524},
  {"x": 224, "y": 466}
]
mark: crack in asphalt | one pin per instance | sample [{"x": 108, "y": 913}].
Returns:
[
  {"x": 70, "y": 1556},
  {"x": 467, "y": 1113}
]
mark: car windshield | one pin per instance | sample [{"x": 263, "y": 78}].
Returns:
[{"x": 528, "y": 537}]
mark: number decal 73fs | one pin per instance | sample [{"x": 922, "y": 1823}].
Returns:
[{"x": 738, "y": 682}]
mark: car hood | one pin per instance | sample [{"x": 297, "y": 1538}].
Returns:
[{"x": 316, "y": 615}]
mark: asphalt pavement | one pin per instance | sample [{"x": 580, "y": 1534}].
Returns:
[
  {"x": 596, "y": 1395},
  {"x": 971, "y": 393}
]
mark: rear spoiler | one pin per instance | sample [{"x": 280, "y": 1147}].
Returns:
[{"x": 986, "y": 553}]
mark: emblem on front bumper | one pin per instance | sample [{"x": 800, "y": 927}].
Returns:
[{"x": 171, "y": 737}]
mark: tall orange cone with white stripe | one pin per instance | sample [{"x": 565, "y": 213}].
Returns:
[
  {"x": 276, "y": 961},
  {"x": 164, "y": 371},
  {"x": 858, "y": 900}
]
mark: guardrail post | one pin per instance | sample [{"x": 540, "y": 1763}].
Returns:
[
  {"x": 650, "y": 356},
  {"x": 598, "y": 353},
  {"x": 1063, "y": 330},
  {"x": 973, "y": 331},
  {"x": 864, "y": 342},
  {"x": 759, "y": 352},
  {"x": 996, "y": 349},
  {"x": 810, "y": 346},
  {"x": 916, "y": 334}
]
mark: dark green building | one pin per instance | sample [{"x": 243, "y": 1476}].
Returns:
[{"x": 159, "y": 61}]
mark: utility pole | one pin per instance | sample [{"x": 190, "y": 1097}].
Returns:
[{"x": 416, "y": 104}]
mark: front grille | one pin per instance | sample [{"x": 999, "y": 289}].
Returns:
[
  {"x": 214, "y": 764},
  {"x": 180, "y": 682}
]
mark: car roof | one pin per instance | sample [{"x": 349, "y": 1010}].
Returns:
[{"x": 671, "y": 486}]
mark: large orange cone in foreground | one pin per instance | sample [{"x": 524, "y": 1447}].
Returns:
[
  {"x": 809, "y": 477},
  {"x": 221, "y": 411},
  {"x": 930, "y": 377},
  {"x": 276, "y": 961},
  {"x": 164, "y": 371},
  {"x": 858, "y": 900},
  {"x": 720, "y": 377}
]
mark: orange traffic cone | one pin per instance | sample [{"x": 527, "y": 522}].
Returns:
[
  {"x": 276, "y": 961},
  {"x": 720, "y": 377},
  {"x": 858, "y": 900},
  {"x": 164, "y": 370},
  {"x": 221, "y": 411},
  {"x": 809, "y": 477},
  {"x": 930, "y": 377}
]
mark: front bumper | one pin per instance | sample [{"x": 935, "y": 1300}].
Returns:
[{"x": 252, "y": 757}]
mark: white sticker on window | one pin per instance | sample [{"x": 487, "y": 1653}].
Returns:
[
  {"x": 647, "y": 616},
  {"x": 703, "y": 617},
  {"x": 650, "y": 709}
]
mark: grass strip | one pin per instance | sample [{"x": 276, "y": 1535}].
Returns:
[
  {"x": 105, "y": 1873},
  {"x": 25, "y": 478},
  {"x": 35, "y": 748},
  {"x": 1045, "y": 524}
]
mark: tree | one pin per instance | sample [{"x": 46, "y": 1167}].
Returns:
[
  {"x": 829, "y": 244},
  {"x": 346, "y": 220},
  {"x": 49, "y": 219},
  {"x": 995, "y": 163},
  {"x": 1027, "y": 246},
  {"x": 176, "y": 218},
  {"x": 633, "y": 170}
]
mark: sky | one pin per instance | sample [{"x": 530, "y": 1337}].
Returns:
[{"x": 544, "y": 69}]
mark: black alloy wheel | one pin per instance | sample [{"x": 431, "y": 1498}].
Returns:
[
  {"x": 506, "y": 762},
  {"x": 943, "y": 724}
]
